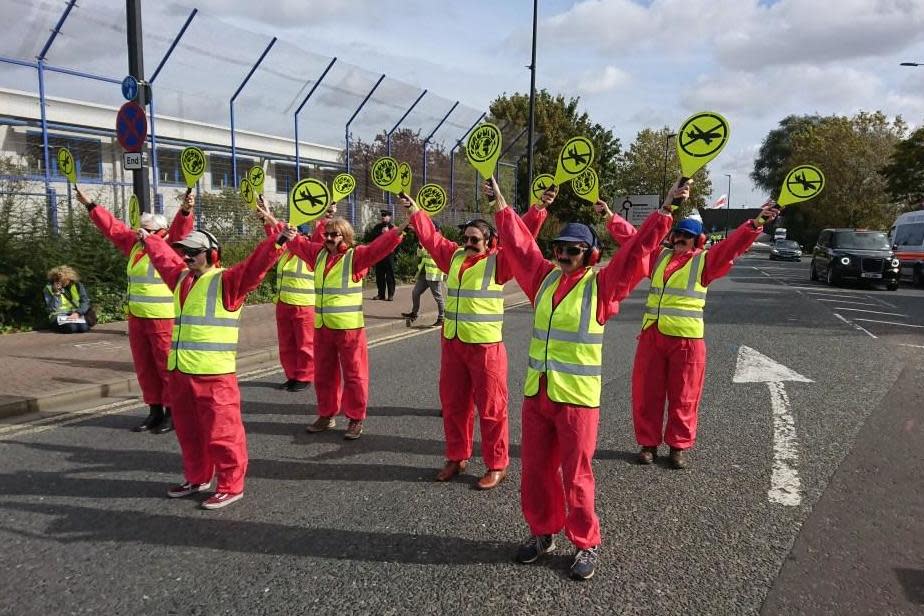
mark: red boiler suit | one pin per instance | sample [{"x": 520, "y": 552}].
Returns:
[
  {"x": 149, "y": 339},
  {"x": 343, "y": 351},
  {"x": 559, "y": 440},
  {"x": 473, "y": 374},
  {"x": 672, "y": 368},
  {"x": 207, "y": 407},
  {"x": 295, "y": 325}
]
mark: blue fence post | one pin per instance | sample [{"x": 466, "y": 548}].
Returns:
[
  {"x": 430, "y": 136},
  {"x": 231, "y": 104},
  {"x": 298, "y": 167},
  {"x": 347, "y": 140}
]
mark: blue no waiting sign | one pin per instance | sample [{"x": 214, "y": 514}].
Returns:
[{"x": 129, "y": 88}]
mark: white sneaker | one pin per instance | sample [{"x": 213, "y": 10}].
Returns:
[{"x": 221, "y": 499}]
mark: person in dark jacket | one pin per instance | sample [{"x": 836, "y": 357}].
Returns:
[
  {"x": 67, "y": 301},
  {"x": 384, "y": 269}
]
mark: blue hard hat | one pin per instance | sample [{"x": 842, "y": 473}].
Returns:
[
  {"x": 690, "y": 225},
  {"x": 304, "y": 228}
]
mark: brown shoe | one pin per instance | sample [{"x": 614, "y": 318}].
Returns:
[
  {"x": 647, "y": 455},
  {"x": 451, "y": 469},
  {"x": 679, "y": 458},
  {"x": 321, "y": 424},
  {"x": 491, "y": 479},
  {"x": 354, "y": 430}
]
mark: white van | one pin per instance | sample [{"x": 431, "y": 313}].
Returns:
[{"x": 907, "y": 236}]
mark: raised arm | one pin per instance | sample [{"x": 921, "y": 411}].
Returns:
[
  {"x": 165, "y": 260},
  {"x": 721, "y": 257},
  {"x": 367, "y": 255},
  {"x": 183, "y": 220},
  {"x": 242, "y": 278},
  {"x": 617, "y": 226},
  {"x": 439, "y": 247},
  {"x": 113, "y": 229}
]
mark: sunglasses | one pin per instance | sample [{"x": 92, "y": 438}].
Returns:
[
  {"x": 332, "y": 234},
  {"x": 193, "y": 252},
  {"x": 684, "y": 234},
  {"x": 571, "y": 251},
  {"x": 471, "y": 239}
]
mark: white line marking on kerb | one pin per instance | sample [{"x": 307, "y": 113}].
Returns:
[{"x": 854, "y": 325}]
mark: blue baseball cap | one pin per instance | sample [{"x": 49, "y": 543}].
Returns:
[
  {"x": 577, "y": 232},
  {"x": 304, "y": 228},
  {"x": 690, "y": 225}
]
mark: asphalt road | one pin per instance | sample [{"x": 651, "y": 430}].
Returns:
[{"x": 329, "y": 526}]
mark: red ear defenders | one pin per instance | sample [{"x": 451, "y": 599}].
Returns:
[
  {"x": 482, "y": 225},
  {"x": 593, "y": 255},
  {"x": 698, "y": 242},
  {"x": 213, "y": 252}
]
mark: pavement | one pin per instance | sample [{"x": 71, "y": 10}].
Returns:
[
  {"x": 834, "y": 415},
  {"x": 50, "y": 372}
]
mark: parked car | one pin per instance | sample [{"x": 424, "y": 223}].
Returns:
[
  {"x": 786, "y": 250},
  {"x": 907, "y": 236},
  {"x": 854, "y": 254}
]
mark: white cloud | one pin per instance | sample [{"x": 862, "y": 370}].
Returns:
[{"x": 593, "y": 82}]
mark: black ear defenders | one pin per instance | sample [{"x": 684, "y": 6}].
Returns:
[
  {"x": 485, "y": 227},
  {"x": 213, "y": 253}
]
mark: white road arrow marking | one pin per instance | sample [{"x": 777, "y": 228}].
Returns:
[{"x": 754, "y": 367}]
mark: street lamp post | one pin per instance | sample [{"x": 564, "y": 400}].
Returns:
[
  {"x": 728, "y": 204},
  {"x": 667, "y": 141}
]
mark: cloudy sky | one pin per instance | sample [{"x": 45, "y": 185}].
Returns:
[{"x": 634, "y": 63}]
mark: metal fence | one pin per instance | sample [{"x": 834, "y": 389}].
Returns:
[{"x": 245, "y": 97}]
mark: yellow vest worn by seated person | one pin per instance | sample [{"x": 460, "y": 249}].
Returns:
[
  {"x": 338, "y": 299},
  {"x": 204, "y": 332},
  {"x": 474, "y": 304},
  {"x": 677, "y": 306},
  {"x": 148, "y": 296},
  {"x": 294, "y": 282},
  {"x": 567, "y": 343}
]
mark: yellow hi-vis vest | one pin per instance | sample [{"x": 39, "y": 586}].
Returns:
[
  {"x": 70, "y": 298},
  {"x": 338, "y": 299},
  {"x": 294, "y": 282},
  {"x": 428, "y": 266},
  {"x": 474, "y": 304},
  {"x": 567, "y": 343},
  {"x": 204, "y": 332},
  {"x": 148, "y": 296},
  {"x": 677, "y": 306}
]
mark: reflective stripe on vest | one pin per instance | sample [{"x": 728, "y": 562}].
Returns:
[
  {"x": 204, "y": 333},
  {"x": 677, "y": 306},
  {"x": 338, "y": 298},
  {"x": 148, "y": 296},
  {"x": 428, "y": 266},
  {"x": 474, "y": 304},
  {"x": 294, "y": 282},
  {"x": 567, "y": 343}
]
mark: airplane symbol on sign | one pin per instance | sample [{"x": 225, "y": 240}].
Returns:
[
  {"x": 808, "y": 185},
  {"x": 305, "y": 195},
  {"x": 697, "y": 134},
  {"x": 580, "y": 159}
]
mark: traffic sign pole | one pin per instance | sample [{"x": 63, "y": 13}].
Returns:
[{"x": 136, "y": 70}]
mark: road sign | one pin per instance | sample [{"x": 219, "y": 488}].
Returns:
[
  {"x": 132, "y": 161},
  {"x": 801, "y": 184},
  {"x": 541, "y": 183},
  {"x": 483, "y": 149},
  {"x": 257, "y": 177},
  {"x": 587, "y": 186},
  {"x": 342, "y": 186},
  {"x": 129, "y": 88},
  {"x": 308, "y": 201},
  {"x": 66, "y": 165},
  {"x": 576, "y": 156},
  {"x": 432, "y": 198},
  {"x": 131, "y": 127},
  {"x": 636, "y": 208}
]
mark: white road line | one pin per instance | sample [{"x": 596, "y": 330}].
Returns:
[
  {"x": 889, "y": 323},
  {"x": 843, "y": 301},
  {"x": 916, "y": 346},
  {"x": 785, "y": 486},
  {"x": 891, "y": 314},
  {"x": 840, "y": 295},
  {"x": 862, "y": 329}
]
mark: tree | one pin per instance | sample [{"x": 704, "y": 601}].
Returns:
[
  {"x": 904, "y": 174},
  {"x": 771, "y": 164},
  {"x": 850, "y": 152},
  {"x": 650, "y": 166},
  {"x": 557, "y": 120}
]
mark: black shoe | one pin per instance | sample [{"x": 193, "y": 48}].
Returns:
[
  {"x": 438, "y": 322},
  {"x": 534, "y": 547},
  {"x": 155, "y": 415},
  {"x": 585, "y": 561},
  {"x": 390, "y": 299},
  {"x": 678, "y": 459},
  {"x": 409, "y": 315},
  {"x": 377, "y": 298},
  {"x": 297, "y": 385},
  {"x": 165, "y": 425},
  {"x": 285, "y": 385}
]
